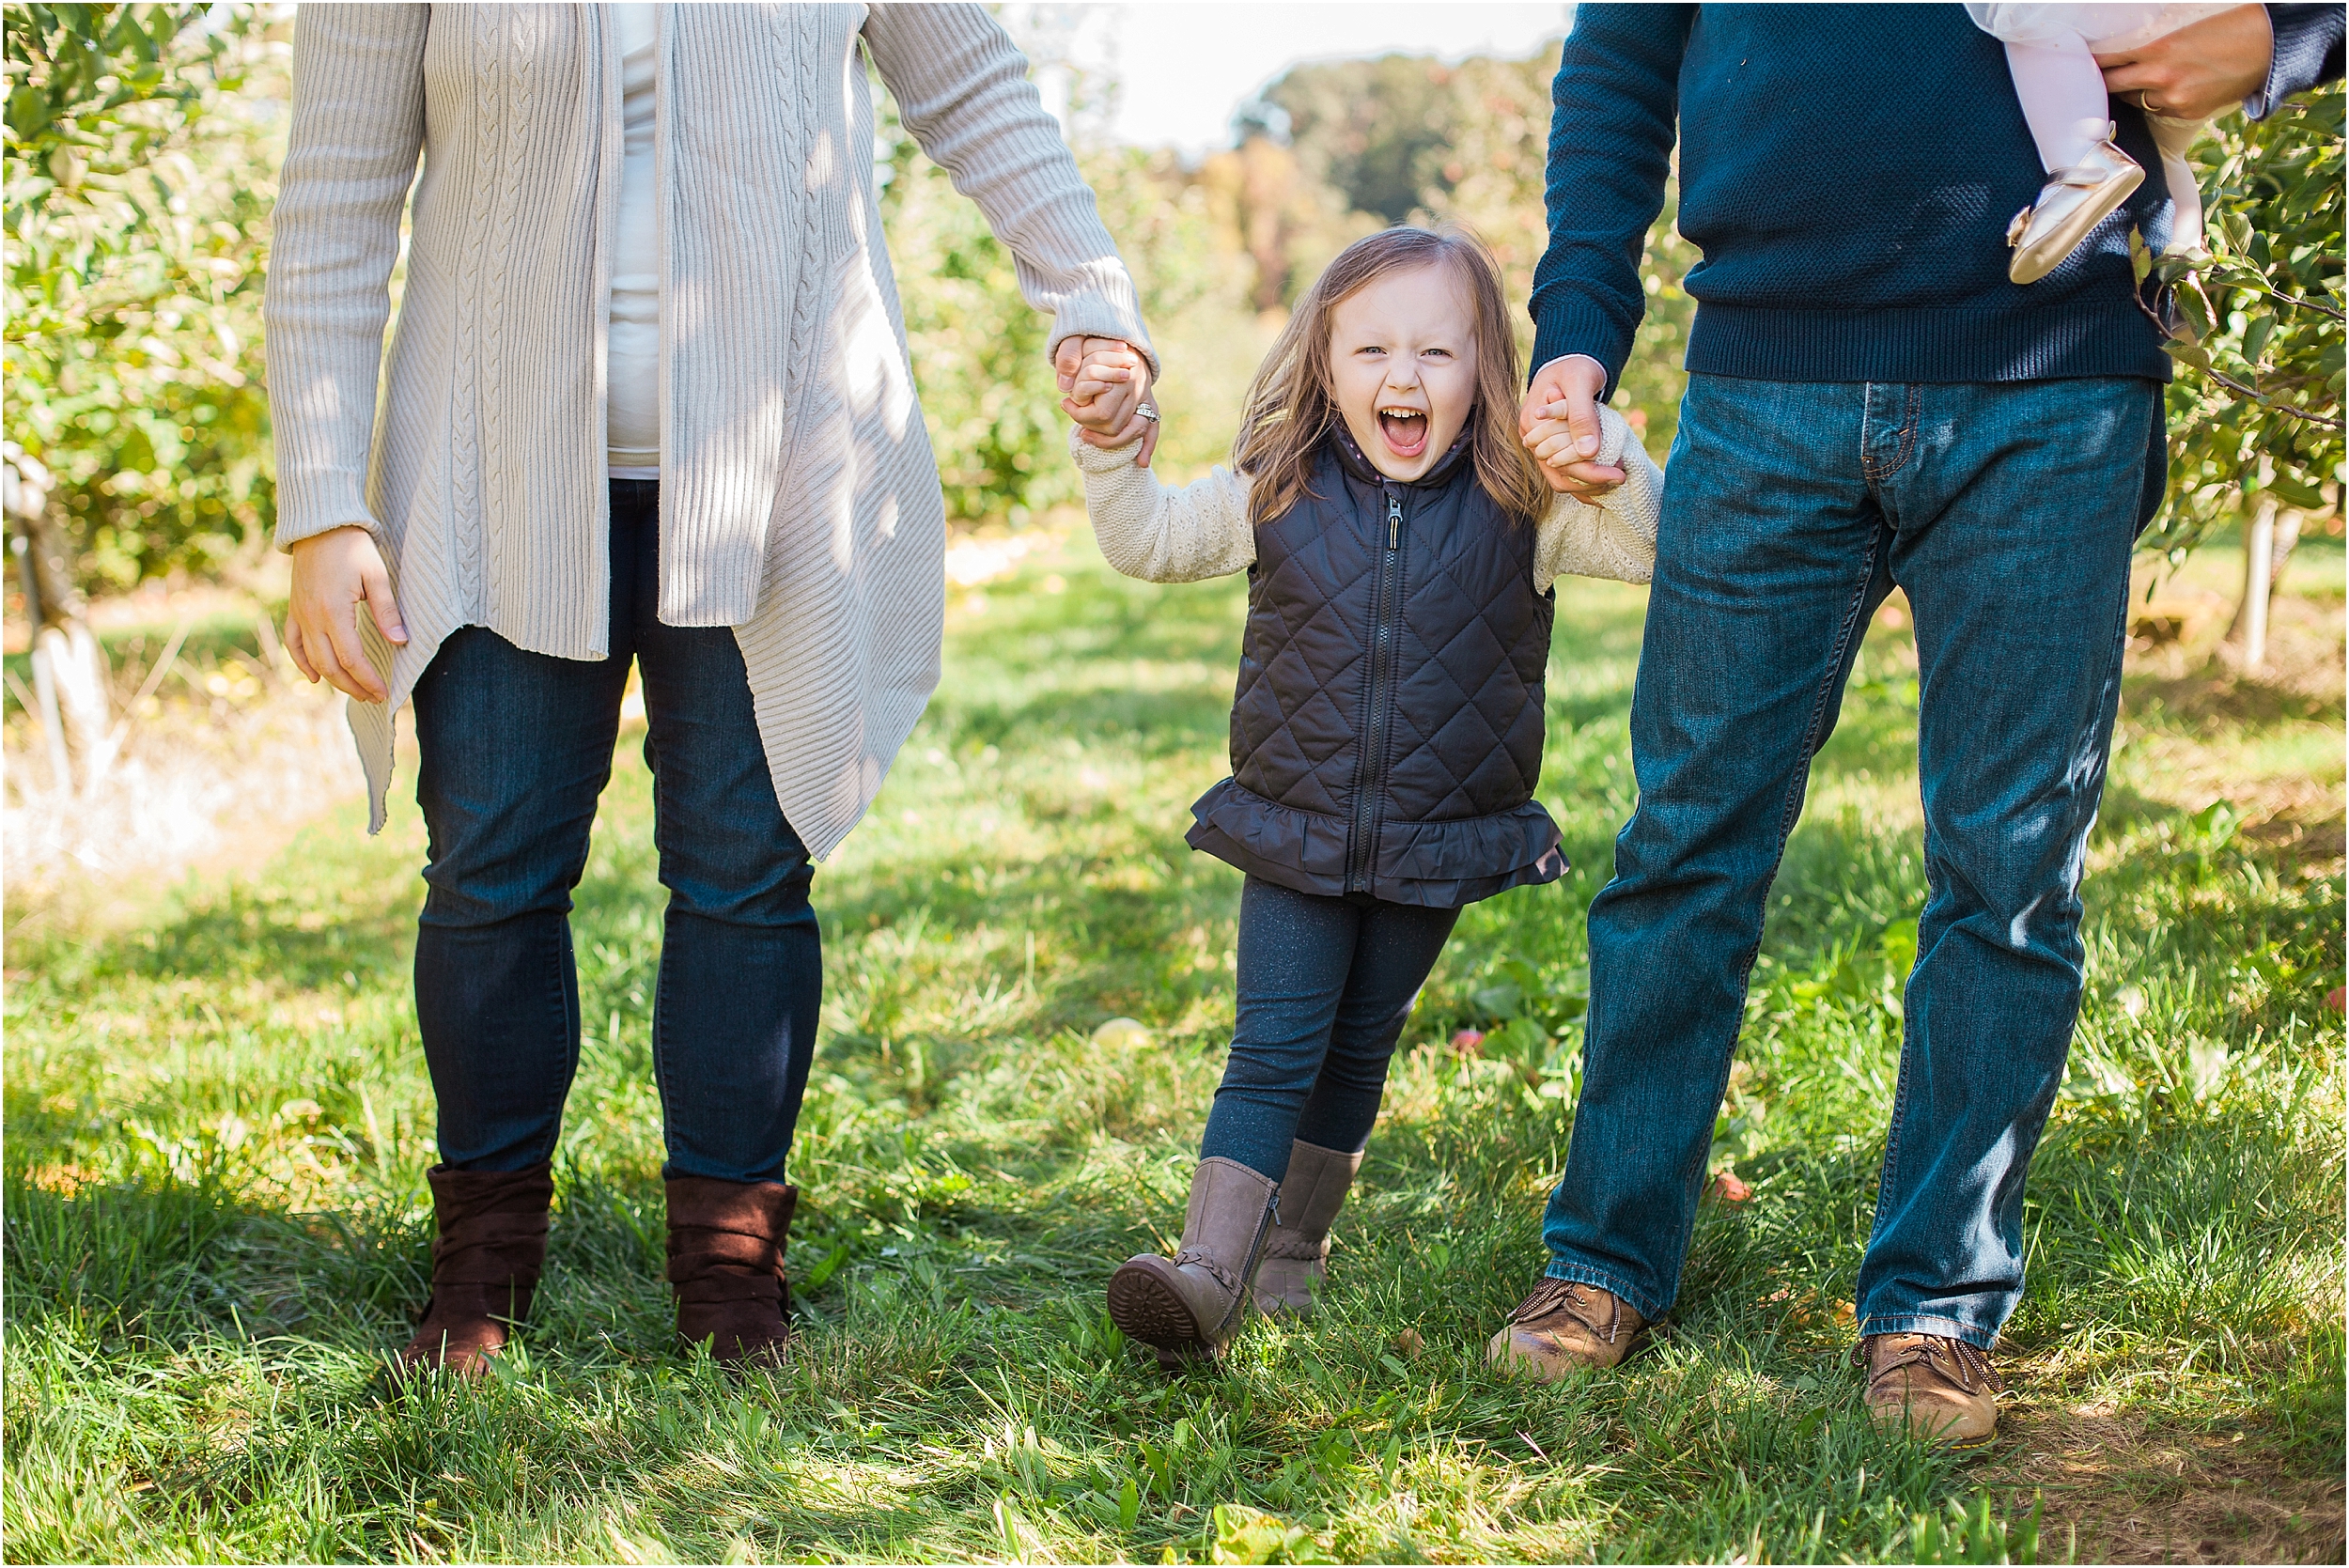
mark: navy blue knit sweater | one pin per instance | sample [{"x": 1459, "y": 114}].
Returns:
[{"x": 1848, "y": 172}]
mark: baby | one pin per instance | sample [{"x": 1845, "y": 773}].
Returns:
[{"x": 2051, "y": 52}]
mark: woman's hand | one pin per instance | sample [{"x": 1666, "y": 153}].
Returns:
[
  {"x": 1105, "y": 387},
  {"x": 333, "y": 573},
  {"x": 2203, "y": 69}
]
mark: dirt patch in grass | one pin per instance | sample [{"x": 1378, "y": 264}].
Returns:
[
  {"x": 2202, "y": 678},
  {"x": 2116, "y": 1488}
]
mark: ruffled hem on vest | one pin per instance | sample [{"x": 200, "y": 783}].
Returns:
[{"x": 1441, "y": 865}]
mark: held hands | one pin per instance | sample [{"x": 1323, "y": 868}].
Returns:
[
  {"x": 1105, "y": 386},
  {"x": 334, "y": 574},
  {"x": 1559, "y": 424},
  {"x": 2201, "y": 70}
]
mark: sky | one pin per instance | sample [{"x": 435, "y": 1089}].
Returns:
[{"x": 1183, "y": 66}]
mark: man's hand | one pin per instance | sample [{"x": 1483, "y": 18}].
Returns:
[
  {"x": 2199, "y": 71},
  {"x": 1559, "y": 423},
  {"x": 333, "y": 573},
  {"x": 1105, "y": 387}
]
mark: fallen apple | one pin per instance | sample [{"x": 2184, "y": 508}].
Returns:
[{"x": 1123, "y": 1034}]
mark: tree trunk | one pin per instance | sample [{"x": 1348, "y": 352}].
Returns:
[
  {"x": 2259, "y": 581},
  {"x": 69, "y": 666}
]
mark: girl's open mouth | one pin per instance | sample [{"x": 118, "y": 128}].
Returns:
[{"x": 1405, "y": 431}]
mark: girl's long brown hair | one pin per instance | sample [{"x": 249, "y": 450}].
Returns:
[{"x": 1291, "y": 408}]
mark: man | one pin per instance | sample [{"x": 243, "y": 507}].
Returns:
[{"x": 1871, "y": 403}]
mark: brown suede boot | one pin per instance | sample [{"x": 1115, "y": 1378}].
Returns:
[
  {"x": 1190, "y": 1305},
  {"x": 1565, "y": 1327},
  {"x": 726, "y": 1259},
  {"x": 488, "y": 1246},
  {"x": 1296, "y": 1251},
  {"x": 1942, "y": 1389}
]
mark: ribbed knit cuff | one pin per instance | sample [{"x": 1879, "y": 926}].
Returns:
[
  {"x": 1098, "y": 316},
  {"x": 2307, "y": 53},
  {"x": 1935, "y": 343},
  {"x": 303, "y": 517}
]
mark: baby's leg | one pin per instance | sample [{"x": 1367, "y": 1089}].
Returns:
[
  {"x": 2175, "y": 137},
  {"x": 2063, "y": 100}
]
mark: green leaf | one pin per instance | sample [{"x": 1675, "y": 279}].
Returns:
[
  {"x": 2255, "y": 336},
  {"x": 2297, "y": 492}
]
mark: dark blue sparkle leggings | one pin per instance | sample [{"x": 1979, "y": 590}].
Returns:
[{"x": 1324, "y": 987}]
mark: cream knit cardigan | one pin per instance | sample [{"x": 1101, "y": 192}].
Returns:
[{"x": 800, "y": 501}]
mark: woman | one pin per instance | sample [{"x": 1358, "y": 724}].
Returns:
[{"x": 648, "y": 400}]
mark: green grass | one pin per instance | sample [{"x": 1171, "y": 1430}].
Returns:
[{"x": 218, "y": 1117}]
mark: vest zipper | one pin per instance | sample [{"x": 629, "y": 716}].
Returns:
[{"x": 1371, "y": 777}]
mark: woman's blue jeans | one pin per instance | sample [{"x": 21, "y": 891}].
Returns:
[
  {"x": 2007, "y": 513},
  {"x": 516, "y": 748}
]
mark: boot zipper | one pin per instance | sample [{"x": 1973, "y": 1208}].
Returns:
[{"x": 1370, "y": 777}]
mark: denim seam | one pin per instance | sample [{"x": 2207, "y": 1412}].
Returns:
[
  {"x": 664, "y": 1068},
  {"x": 1891, "y": 1139},
  {"x": 1583, "y": 1274},
  {"x": 1912, "y": 404},
  {"x": 1798, "y": 787},
  {"x": 558, "y": 1082}
]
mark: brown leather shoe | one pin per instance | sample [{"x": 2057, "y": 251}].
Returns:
[
  {"x": 1565, "y": 1327},
  {"x": 488, "y": 1246},
  {"x": 726, "y": 1259},
  {"x": 1942, "y": 1389},
  {"x": 1296, "y": 1248},
  {"x": 1191, "y": 1305}
]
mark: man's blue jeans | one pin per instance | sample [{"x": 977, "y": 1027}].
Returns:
[
  {"x": 2007, "y": 513},
  {"x": 515, "y": 748}
]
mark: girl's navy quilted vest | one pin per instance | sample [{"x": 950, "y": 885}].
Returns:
[{"x": 1387, "y": 728}]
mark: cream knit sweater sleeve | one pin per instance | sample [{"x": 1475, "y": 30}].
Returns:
[
  {"x": 1617, "y": 537},
  {"x": 358, "y": 126},
  {"x": 963, "y": 91},
  {"x": 1163, "y": 534},
  {"x": 1160, "y": 534}
]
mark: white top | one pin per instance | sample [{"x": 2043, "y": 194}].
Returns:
[
  {"x": 1162, "y": 534},
  {"x": 632, "y": 374},
  {"x": 800, "y": 501},
  {"x": 2107, "y": 26}
]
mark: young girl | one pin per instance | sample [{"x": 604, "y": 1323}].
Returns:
[
  {"x": 2051, "y": 53},
  {"x": 1400, "y": 543}
]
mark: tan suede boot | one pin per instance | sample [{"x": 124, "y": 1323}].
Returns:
[
  {"x": 726, "y": 1259},
  {"x": 1944, "y": 1391},
  {"x": 1190, "y": 1305},
  {"x": 1565, "y": 1327},
  {"x": 488, "y": 1246},
  {"x": 1296, "y": 1250}
]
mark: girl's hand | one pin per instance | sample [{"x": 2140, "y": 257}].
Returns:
[
  {"x": 1105, "y": 384},
  {"x": 333, "y": 573},
  {"x": 1106, "y": 366},
  {"x": 1555, "y": 442}
]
